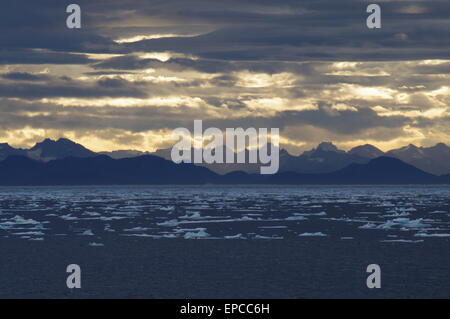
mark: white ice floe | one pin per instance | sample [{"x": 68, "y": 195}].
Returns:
[
  {"x": 398, "y": 223},
  {"x": 273, "y": 227},
  {"x": 68, "y": 217},
  {"x": 136, "y": 229},
  {"x": 267, "y": 237},
  {"x": 87, "y": 213},
  {"x": 30, "y": 233},
  {"x": 142, "y": 235},
  {"x": 408, "y": 209},
  {"x": 191, "y": 215},
  {"x": 296, "y": 218},
  {"x": 386, "y": 204},
  {"x": 194, "y": 215},
  {"x": 369, "y": 225},
  {"x": 317, "y": 234},
  {"x": 397, "y": 214},
  {"x": 108, "y": 228},
  {"x": 110, "y": 218},
  {"x": 170, "y": 236},
  {"x": 238, "y": 236},
  {"x": 87, "y": 232},
  {"x": 401, "y": 241},
  {"x": 201, "y": 233},
  {"x": 431, "y": 235},
  {"x": 169, "y": 223},
  {"x": 169, "y": 208},
  {"x": 19, "y": 220},
  {"x": 94, "y": 244}
]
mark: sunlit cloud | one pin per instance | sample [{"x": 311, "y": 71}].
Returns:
[
  {"x": 269, "y": 105},
  {"x": 260, "y": 80},
  {"x": 142, "y": 37},
  {"x": 430, "y": 113},
  {"x": 172, "y": 101}
]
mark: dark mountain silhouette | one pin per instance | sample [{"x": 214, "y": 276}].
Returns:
[
  {"x": 50, "y": 150},
  {"x": 435, "y": 159},
  {"x": 325, "y": 158},
  {"x": 382, "y": 170},
  {"x": 220, "y": 168},
  {"x": 103, "y": 170},
  {"x": 6, "y": 150},
  {"x": 124, "y": 154}
]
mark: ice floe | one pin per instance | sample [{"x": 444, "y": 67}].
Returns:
[
  {"x": 87, "y": 232},
  {"x": 200, "y": 233},
  {"x": 94, "y": 244},
  {"x": 316, "y": 234}
]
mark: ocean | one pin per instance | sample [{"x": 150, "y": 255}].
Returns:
[{"x": 225, "y": 241}]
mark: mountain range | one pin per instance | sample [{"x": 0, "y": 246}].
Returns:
[
  {"x": 148, "y": 169},
  {"x": 48, "y": 150},
  {"x": 327, "y": 158},
  {"x": 65, "y": 162}
]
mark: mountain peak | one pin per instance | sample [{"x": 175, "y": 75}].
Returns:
[
  {"x": 366, "y": 150},
  {"x": 49, "y": 149},
  {"x": 62, "y": 140},
  {"x": 327, "y": 146},
  {"x": 47, "y": 141},
  {"x": 440, "y": 146}
]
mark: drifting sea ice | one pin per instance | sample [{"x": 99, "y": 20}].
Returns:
[
  {"x": 201, "y": 233},
  {"x": 317, "y": 234}
]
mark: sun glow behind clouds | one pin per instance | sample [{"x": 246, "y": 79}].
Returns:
[
  {"x": 260, "y": 80},
  {"x": 170, "y": 101},
  {"x": 137, "y": 38},
  {"x": 178, "y": 91},
  {"x": 357, "y": 91},
  {"x": 430, "y": 113},
  {"x": 270, "y": 106}
]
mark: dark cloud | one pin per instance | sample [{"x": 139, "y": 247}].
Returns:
[
  {"x": 24, "y": 76},
  {"x": 28, "y": 56},
  {"x": 104, "y": 88},
  {"x": 258, "y": 30},
  {"x": 227, "y": 56}
]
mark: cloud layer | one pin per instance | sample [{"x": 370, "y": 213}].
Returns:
[{"x": 138, "y": 69}]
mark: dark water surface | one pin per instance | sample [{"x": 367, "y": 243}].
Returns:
[{"x": 225, "y": 241}]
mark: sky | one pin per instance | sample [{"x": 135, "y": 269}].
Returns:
[{"x": 138, "y": 69}]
